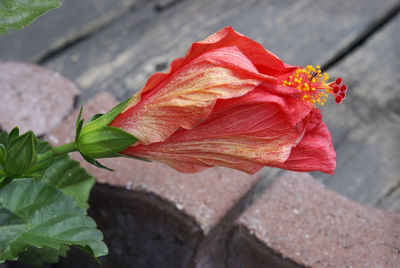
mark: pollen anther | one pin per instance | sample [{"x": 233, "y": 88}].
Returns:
[{"x": 311, "y": 80}]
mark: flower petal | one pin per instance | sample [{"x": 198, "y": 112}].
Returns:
[
  {"x": 288, "y": 99},
  {"x": 315, "y": 151},
  {"x": 265, "y": 61},
  {"x": 245, "y": 137},
  {"x": 188, "y": 95}
]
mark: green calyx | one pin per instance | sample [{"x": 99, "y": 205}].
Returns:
[
  {"x": 97, "y": 139},
  {"x": 104, "y": 142},
  {"x": 102, "y": 120}
]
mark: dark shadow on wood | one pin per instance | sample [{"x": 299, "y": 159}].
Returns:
[
  {"x": 363, "y": 36},
  {"x": 83, "y": 35}
]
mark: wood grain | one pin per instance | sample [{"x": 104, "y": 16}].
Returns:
[
  {"x": 366, "y": 128},
  {"x": 121, "y": 58},
  {"x": 391, "y": 201},
  {"x": 75, "y": 19}
]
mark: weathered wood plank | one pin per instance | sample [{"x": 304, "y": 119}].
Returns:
[
  {"x": 120, "y": 58},
  {"x": 392, "y": 200},
  {"x": 366, "y": 129},
  {"x": 73, "y": 20}
]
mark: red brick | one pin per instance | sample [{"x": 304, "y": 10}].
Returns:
[
  {"x": 33, "y": 98},
  {"x": 299, "y": 223},
  {"x": 162, "y": 215}
]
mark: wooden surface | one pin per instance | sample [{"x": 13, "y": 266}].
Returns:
[
  {"x": 72, "y": 22},
  {"x": 366, "y": 130},
  {"x": 109, "y": 45}
]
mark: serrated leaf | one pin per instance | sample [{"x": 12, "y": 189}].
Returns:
[
  {"x": 68, "y": 176},
  {"x": 16, "y": 14},
  {"x": 11, "y": 227},
  {"x": 51, "y": 219}
]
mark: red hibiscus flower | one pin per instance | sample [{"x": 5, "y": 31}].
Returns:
[{"x": 229, "y": 102}]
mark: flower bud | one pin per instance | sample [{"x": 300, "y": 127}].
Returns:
[
  {"x": 98, "y": 140},
  {"x": 104, "y": 142},
  {"x": 21, "y": 154}
]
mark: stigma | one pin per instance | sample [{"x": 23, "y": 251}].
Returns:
[{"x": 315, "y": 86}]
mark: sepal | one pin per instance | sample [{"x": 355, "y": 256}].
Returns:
[
  {"x": 102, "y": 120},
  {"x": 94, "y": 162},
  {"x": 98, "y": 140},
  {"x": 104, "y": 141}
]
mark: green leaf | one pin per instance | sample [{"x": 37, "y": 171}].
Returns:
[
  {"x": 9, "y": 218},
  {"x": 4, "y": 138},
  {"x": 40, "y": 166},
  {"x": 129, "y": 156},
  {"x": 94, "y": 162},
  {"x": 21, "y": 154},
  {"x": 68, "y": 176},
  {"x": 79, "y": 124},
  {"x": 11, "y": 227},
  {"x": 50, "y": 219},
  {"x": 102, "y": 142},
  {"x": 94, "y": 117},
  {"x": 43, "y": 146},
  {"x": 2, "y": 155},
  {"x": 13, "y": 134},
  {"x": 38, "y": 256},
  {"x": 16, "y": 14},
  {"x": 105, "y": 119}
]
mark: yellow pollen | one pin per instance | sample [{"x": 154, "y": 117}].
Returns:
[{"x": 312, "y": 82}]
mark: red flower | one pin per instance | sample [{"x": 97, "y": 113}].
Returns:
[{"x": 229, "y": 102}]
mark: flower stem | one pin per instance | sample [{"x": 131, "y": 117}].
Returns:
[
  {"x": 65, "y": 148},
  {"x": 62, "y": 149}
]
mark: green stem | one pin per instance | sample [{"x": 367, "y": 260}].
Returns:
[
  {"x": 65, "y": 148},
  {"x": 62, "y": 149}
]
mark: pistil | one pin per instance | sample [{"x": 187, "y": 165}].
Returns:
[{"x": 315, "y": 85}]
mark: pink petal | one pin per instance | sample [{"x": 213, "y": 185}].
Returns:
[
  {"x": 245, "y": 137},
  {"x": 315, "y": 150},
  {"x": 265, "y": 61},
  {"x": 188, "y": 95}
]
